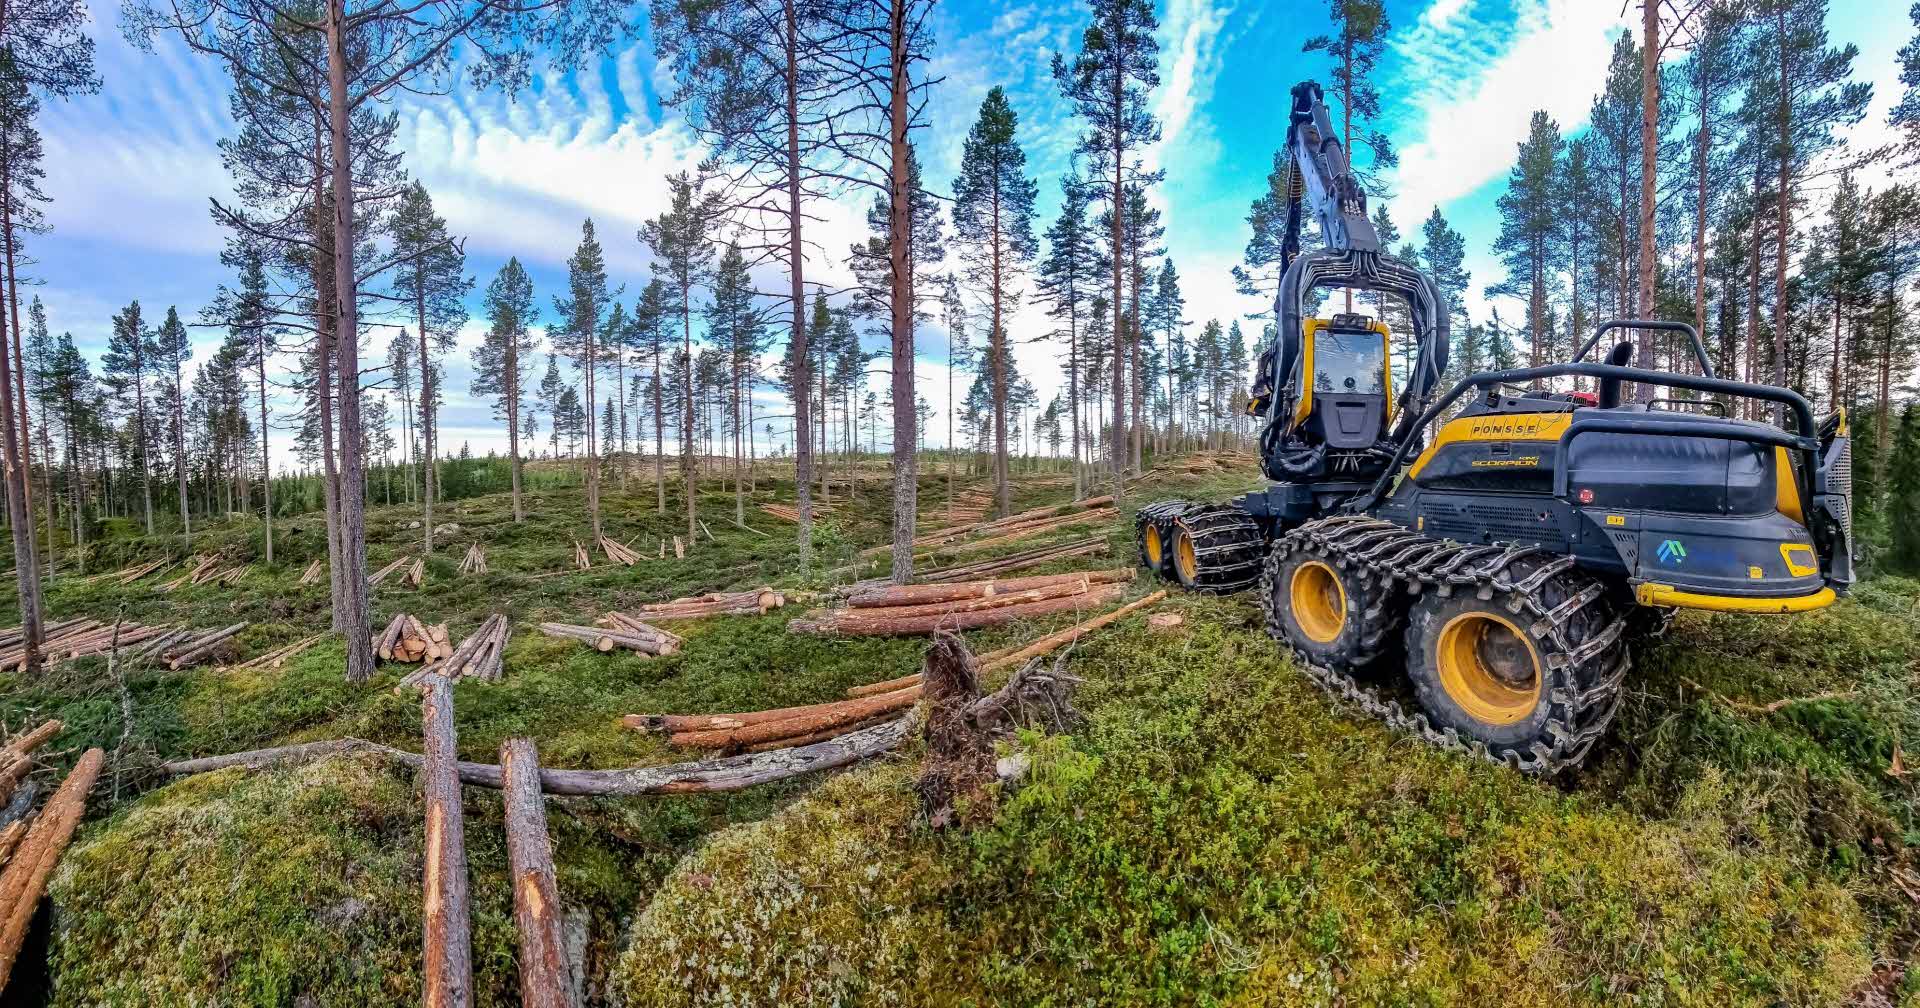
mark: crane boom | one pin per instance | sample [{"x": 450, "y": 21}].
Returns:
[{"x": 1323, "y": 174}]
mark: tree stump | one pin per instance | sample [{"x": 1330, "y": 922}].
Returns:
[{"x": 962, "y": 725}]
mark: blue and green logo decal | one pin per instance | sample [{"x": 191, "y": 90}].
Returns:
[{"x": 1671, "y": 552}]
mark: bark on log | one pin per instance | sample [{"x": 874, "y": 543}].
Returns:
[
  {"x": 1014, "y": 656},
  {"x": 25, "y": 877},
  {"x": 823, "y": 717},
  {"x": 1019, "y": 561},
  {"x": 870, "y": 689},
  {"x": 731, "y": 773},
  {"x": 448, "y": 960},
  {"x": 903, "y": 595},
  {"x": 858, "y": 623},
  {"x": 10, "y": 835},
  {"x": 544, "y": 977},
  {"x": 674, "y": 724},
  {"x": 200, "y": 648},
  {"x": 1000, "y": 600}
]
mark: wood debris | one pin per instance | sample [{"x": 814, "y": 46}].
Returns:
[
  {"x": 198, "y": 649},
  {"x": 580, "y": 558},
  {"x": 679, "y": 549},
  {"x": 78, "y": 638},
  {"x": 16, "y": 758},
  {"x": 624, "y": 623},
  {"x": 201, "y": 569},
  {"x": 618, "y": 553},
  {"x": 752, "y": 602},
  {"x": 417, "y": 574},
  {"x": 313, "y": 572},
  {"x": 475, "y": 560},
  {"x": 759, "y": 731},
  {"x": 1041, "y": 516},
  {"x": 406, "y": 639},
  {"x": 790, "y": 513},
  {"x": 128, "y": 575}
]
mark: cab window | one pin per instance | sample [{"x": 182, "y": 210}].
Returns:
[{"x": 1350, "y": 362}]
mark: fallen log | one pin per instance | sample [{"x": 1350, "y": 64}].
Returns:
[
  {"x": 16, "y": 759},
  {"x": 607, "y": 640},
  {"x": 902, "y": 595},
  {"x": 854, "y": 622},
  {"x": 1029, "y": 531},
  {"x": 200, "y": 648},
  {"x": 580, "y": 558},
  {"x": 841, "y": 715},
  {"x": 25, "y": 878},
  {"x": 9, "y": 839},
  {"x": 697, "y": 777},
  {"x": 910, "y": 679},
  {"x": 417, "y": 574},
  {"x": 448, "y": 952},
  {"x": 475, "y": 561},
  {"x": 381, "y": 574},
  {"x": 1059, "y": 589},
  {"x": 1049, "y": 643},
  {"x": 312, "y": 573},
  {"x": 1016, "y": 562},
  {"x": 639, "y": 628},
  {"x": 544, "y": 977},
  {"x": 1010, "y": 522},
  {"x": 676, "y": 724},
  {"x": 278, "y": 657}
]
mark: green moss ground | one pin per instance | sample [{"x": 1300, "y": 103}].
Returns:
[{"x": 1221, "y": 833}]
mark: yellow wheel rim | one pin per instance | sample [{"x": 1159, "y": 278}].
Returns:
[
  {"x": 1489, "y": 668},
  {"x": 1319, "y": 601},
  {"x": 1153, "y": 547},
  {"x": 1183, "y": 559}
]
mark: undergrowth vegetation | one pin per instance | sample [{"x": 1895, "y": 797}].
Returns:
[{"x": 1219, "y": 832}]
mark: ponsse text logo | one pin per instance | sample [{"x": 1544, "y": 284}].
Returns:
[{"x": 1518, "y": 427}]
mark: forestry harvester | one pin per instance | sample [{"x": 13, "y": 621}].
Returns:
[{"x": 1504, "y": 543}]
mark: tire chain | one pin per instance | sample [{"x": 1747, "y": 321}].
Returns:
[
  {"x": 1421, "y": 562},
  {"x": 1227, "y": 545}
]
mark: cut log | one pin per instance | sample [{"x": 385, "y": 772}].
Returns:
[
  {"x": 679, "y": 549},
  {"x": 198, "y": 649},
  {"x": 864, "y": 622},
  {"x": 417, "y": 574},
  {"x": 904, "y": 595},
  {"x": 16, "y": 759},
  {"x": 677, "y": 724},
  {"x": 25, "y": 877},
  {"x": 606, "y": 640},
  {"x": 545, "y": 981},
  {"x": 1015, "y": 562},
  {"x": 381, "y": 574},
  {"x": 1052, "y": 641},
  {"x": 1059, "y": 589},
  {"x": 9, "y": 839},
  {"x": 910, "y": 679},
  {"x": 580, "y": 558},
  {"x": 842, "y": 715},
  {"x": 391, "y": 637},
  {"x": 448, "y": 954},
  {"x": 704, "y": 776},
  {"x": 313, "y": 572},
  {"x": 638, "y": 628}
]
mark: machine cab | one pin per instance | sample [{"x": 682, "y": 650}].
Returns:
[{"x": 1344, "y": 378}]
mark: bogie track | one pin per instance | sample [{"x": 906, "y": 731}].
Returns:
[
  {"x": 1217, "y": 548},
  {"x": 1532, "y": 604}
]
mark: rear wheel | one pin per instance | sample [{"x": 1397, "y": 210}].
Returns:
[
  {"x": 1152, "y": 535},
  {"x": 1216, "y": 548},
  {"x": 1530, "y": 667}
]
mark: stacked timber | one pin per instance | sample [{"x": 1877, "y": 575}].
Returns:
[
  {"x": 618, "y": 553},
  {"x": 790, "y": 513},
  {"x": 381, "y": 575},
  {"x": 406, "y": 639},
  {"x": 79, "y": 638},
  {"x": 279, "y": 656},
  {"x": 619, "y": 631},
  {"x": 475, "y": 561},
  {"x": 24, "y": 880},
  {"x": 753, "y": 602},
  {"x": 760, "y": 731},
  {"x": 580, "y": 557},
  {"x": 313, "y": 572},
  {"x": 477, "y": 657},
  {"x": 1027, "y": 529},
  {"x": 196, "y": 649},
  {"x": 128, "y": 575},
  {"x": 1019, "y": 654},
  {"x": 198, "y": 571},
  {"x": 901, "y": 611},
  {"x": 417, "y": 574}
]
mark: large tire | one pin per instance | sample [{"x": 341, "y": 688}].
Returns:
[
  {"x": 1530, "y": 662},
  {"x": 1217, "y": 548},
  {"x": 1153, "y": 535},
  {"x": 1331, "y": 613}
]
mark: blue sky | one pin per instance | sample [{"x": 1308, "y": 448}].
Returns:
[{"x": 132, "y": 168}]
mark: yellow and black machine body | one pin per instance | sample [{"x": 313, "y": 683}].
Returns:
[{"x": 1476, "y": 567}]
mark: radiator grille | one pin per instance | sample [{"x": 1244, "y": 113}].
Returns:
[{"x": 1840, "y": 481}]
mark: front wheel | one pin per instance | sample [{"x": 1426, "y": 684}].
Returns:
[{"x": 1336, "y": 616}]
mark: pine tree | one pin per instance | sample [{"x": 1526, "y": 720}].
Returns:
[
  {"x": 993, "y": 225},
  {"x": 501, "y": 361},
  {"x": 652, "y": 342},
  {"x": 251, "y": 321},
  {"x": 1903, "y": 485},
  {"x": 430, "y": 277},
  {"x": 400, "y": 374},
  {"x": 1443, "y": 254},
  {"x": 735, "y": 328},
  {"x": 1068, "y": 276},
  {"x": 126, "y": 366},
  {"x": 578, "y": 336},
  {"x": 550, "y": 389},
  {"x": 169, "y": 351},
  {"x": 1355, "y": 46},
  {"x": 682, "y": 243},
  {"x": 1168, "y": 307},
  {"x": 1108, "y": 83},
  {"x": 1531, "y": 229}
]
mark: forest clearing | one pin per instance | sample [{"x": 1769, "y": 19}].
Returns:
[{"x": 1213, "y": 829}]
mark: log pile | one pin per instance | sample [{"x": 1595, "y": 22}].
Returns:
[
  {"x": 25, "y": 879},
  {"x": 1071, "y": 594},
  {"x": 475, "y": 560},
  {"x": 406, "y": 639},
  {"x": 417, "y": 574},
  {"x": 80, "y": 638},
  {"x": 753, "y": 602},
  {"x": 785, "y": 727},
  {"x": 580, "y": 558},
  {"x": 279, "y": 657},
  {"x": 128, "y": 575},
  {"x": 617, "y": 553},
  {"x": 196, "y": 649},
  {"x": 313, "y": 572},
  {"x": 625, "y": 632},
  {"x": 480, "y": 655},
  {"x": 381, "y": 575},
  {"x": 201, "y": 570},
  {"x": 1018, "y": 654},
  {"x": 1023, "y": 560},
  {"x": 1029, "y": 528},
  {"x": 790, "y": 513}
]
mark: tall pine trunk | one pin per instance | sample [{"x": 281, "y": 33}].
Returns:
[
  {"x": 431, "y": 475},
  {"x": 19, "y": 519},
  {"x": 1117, "y": 441},
  {"x": 796, "y": 292},
  {"x": 1649, "y": 174},
  {"x": 266, "y": 465}
]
